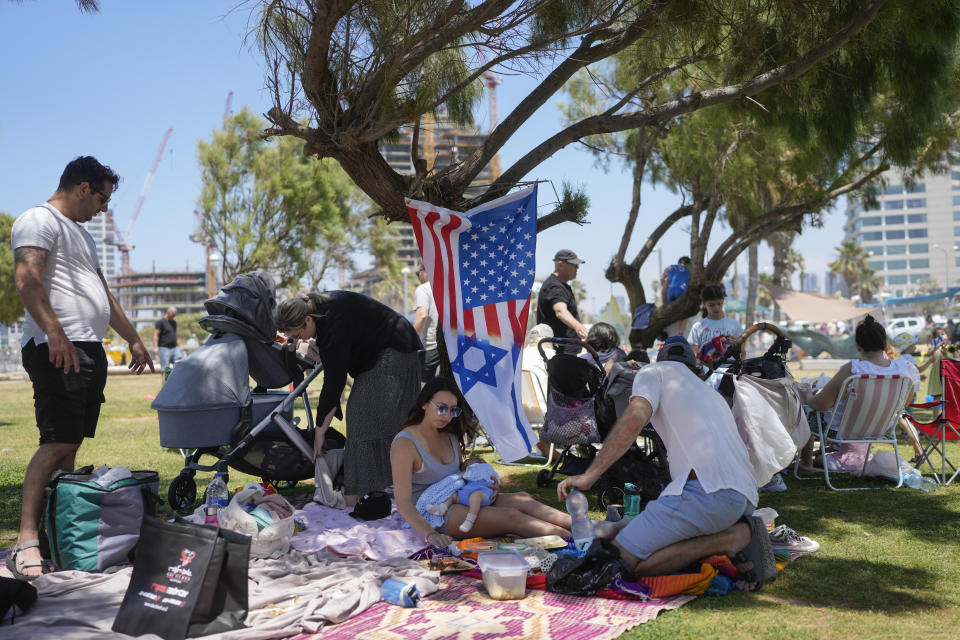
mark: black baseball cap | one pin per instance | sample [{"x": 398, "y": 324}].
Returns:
[
  {"x": 565, "y": 255},
  {"x": 373, "y": 506},
  {"x": 677, "y": 349}
]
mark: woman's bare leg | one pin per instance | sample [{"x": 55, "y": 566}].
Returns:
[
  {"x": 523, "y": 501},
  {"x": 494, "y": 521}
]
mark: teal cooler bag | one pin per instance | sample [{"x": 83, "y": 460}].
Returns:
[{"x": 91, "y": 528}]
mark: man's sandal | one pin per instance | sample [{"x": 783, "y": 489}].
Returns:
[
  {"x": 12, "y": 561},
  {"x": 759, "y": 551}
]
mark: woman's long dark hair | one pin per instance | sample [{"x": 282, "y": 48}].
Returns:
[
  {"x": 292, "y": 313},
  {"x": 870, "y": 335},
  {"x": 458, "y": 426}
]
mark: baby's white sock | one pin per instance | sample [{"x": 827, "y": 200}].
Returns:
[
  {"x": 439, "y": 509},
  {"x": 468, "y": 522}
]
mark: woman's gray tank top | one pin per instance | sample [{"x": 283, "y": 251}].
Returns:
[{"x": 433, "y": 470}]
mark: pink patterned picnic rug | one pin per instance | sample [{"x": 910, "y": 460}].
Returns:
[{"x": 461, "y": 610}]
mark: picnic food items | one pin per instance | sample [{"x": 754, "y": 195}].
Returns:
[
  {"x": 545, "y": 542},
  {"x": 504, "y": 574}
]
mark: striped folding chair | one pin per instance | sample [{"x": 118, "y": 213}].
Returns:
[
  {"x": 943, "y": 427},
  {"x": 873, "y": 403}
]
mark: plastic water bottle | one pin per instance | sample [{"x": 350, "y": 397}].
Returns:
[
  {"x": 915, "y": 480},
  {"x": 582, "y": 527},
  {"x": 217, "y": 498},
  {"x": 631, "y": 501}
]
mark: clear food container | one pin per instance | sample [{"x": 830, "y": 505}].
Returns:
[{"x": 504, "y": 574}]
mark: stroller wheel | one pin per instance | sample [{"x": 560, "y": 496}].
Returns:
[
  {"x": 544, "y": 478},
  {"x": 182, "y": 494}
]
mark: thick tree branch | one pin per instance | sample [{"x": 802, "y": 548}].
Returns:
[
  {"x": 666, "y": 111},
  {"x": 587, "y": 53}
]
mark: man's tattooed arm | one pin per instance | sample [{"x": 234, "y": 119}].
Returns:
[{"x": 31, "y": 255}]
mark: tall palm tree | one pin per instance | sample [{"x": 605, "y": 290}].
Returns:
[
  {"x": 869, "y": 283},
  {"x": 851, "y": 262},
  {"x": 797, "y": 263}
]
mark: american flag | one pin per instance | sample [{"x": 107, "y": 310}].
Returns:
[{"x": 481, "y": 266}]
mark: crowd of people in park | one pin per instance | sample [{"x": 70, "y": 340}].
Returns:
[{"x": 407, "y": 425}]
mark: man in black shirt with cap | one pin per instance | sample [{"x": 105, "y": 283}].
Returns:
[{"x": 556, "y": 304}]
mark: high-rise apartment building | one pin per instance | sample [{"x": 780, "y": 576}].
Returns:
[{"x": 911, "y": 231}]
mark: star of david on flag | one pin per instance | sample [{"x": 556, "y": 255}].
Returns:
[{"x": 480, "y": 264}]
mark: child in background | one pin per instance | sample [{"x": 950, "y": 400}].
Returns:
[
  {"x": 714, "y": 323},
  {"x": 471, "y": 488}
]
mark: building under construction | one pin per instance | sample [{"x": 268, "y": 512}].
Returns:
[
  {"x": 441, "y": 144},
  {"x": 146, "y": 296}
]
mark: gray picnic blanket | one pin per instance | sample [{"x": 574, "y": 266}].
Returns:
[{"x": 297, "y": 593}]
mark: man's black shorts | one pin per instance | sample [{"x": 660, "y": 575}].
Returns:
[{"x": 67, "y": 405}]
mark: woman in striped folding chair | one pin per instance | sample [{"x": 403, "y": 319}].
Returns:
[{"x": 871, "y": 342}]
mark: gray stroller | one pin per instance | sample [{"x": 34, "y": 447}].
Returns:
[{"x": 206, "y": 406}]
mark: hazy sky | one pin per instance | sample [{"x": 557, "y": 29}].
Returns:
[{"x": 110, "y": 85}]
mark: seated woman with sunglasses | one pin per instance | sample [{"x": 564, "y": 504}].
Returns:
[
  {"x": 351, "y": 333},
  {"x": 429, "y": 448}
]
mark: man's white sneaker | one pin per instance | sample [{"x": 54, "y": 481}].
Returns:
[
  {"x": 783, "y": 538},
  {"x": 776, "y": 485}
]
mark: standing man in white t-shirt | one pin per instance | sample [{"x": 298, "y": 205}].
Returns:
[
  {"x": 69, "y": 307},
  {"x": 707, "y": 507},
  {"x": 425, "y": 321}
]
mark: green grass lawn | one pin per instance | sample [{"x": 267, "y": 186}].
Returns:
[{"x": 886, "y": 569}]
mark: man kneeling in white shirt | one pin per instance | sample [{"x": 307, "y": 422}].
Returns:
[{"x": 706, "y": 509}]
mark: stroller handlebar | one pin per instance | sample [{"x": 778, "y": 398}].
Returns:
[{"x": 570, "y": 341}]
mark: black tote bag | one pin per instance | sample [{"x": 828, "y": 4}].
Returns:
[{"x": 188, "y": 580}]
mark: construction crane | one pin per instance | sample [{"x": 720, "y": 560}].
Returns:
[
  {"x": 122, "y": 240},
  {"x": 492, "y": 81},
  {"x": 200, "y": 238}
]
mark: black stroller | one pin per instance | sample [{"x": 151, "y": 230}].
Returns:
[
  {"x": 582, "y": 406},
  {"x": 206, "y": 406}
]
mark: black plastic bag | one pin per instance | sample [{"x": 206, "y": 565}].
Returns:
[{"x": 589, "y": 574}]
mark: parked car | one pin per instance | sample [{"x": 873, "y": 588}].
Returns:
[{"x": 914, "y": 325}]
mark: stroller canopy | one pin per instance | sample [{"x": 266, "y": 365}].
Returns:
[
  {"x": 213, "y": 377},
  {"x": 245, "y": 308}
]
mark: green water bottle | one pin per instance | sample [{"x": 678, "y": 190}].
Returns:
[{"x": 631, "y": 501}]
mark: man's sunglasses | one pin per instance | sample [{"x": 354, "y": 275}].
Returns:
[{"x": 442, "y": 409}]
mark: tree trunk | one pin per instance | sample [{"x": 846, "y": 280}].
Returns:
[
  {"x": 752, "y": 280},
  {"x": 780, "y": 242}
]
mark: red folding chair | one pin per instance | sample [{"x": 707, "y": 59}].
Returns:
[{"x": 943, "y": 427}]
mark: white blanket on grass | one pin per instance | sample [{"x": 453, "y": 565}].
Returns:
[{"x": 298, "y": 593}]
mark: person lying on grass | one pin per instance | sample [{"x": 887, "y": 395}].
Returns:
[
  {"x": 707, "y": 508},
  {"x": 429, "y": 448}
]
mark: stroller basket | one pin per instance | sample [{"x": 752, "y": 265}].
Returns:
[{"x": 570, "y": 420}]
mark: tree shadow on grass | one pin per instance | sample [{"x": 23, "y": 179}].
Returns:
[
  {"x": 855, "y": 585},
  {"x": 815, "y": 510}
]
